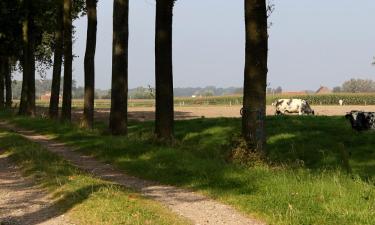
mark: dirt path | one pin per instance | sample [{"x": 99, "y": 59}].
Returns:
[
  {"x": 21, "y": 202},
  {"x": 196, "y": 207}
]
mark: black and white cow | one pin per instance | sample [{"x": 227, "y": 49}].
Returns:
[
  {"x": 361, "y": 121},
  {"x": 299, "y": 106}
]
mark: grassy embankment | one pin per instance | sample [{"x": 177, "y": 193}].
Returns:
[
  {"x": 85, "y": 199},
  {"x": 306, "y": 180}
]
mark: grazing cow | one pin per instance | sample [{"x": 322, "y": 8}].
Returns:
[
  {"x": 361, "y": 121},
  {"x": 299, "y": 106}
]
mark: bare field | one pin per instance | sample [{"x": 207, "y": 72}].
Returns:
[{"x": 188, "y": 112}]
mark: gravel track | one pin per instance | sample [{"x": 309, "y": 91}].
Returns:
[{"x": 193, "y": 206}]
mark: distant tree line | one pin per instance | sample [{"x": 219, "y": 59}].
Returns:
[
  {"x": 43, "y": 86},
  {"x": 356, "y": 86}
]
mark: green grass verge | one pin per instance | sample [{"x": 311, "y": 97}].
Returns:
[
  {"x": 86, "y": 200},
  {"x": 305, "y": 181}
]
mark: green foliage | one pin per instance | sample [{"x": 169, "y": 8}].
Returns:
[
  {"x": 10, "y": 33},
  {"x": 358, "y": 86},
  {"x": 141, "y": 93},
  {"x": 304, "y": 179},
  {"x": 332, "y": 99},
  {"x": 43, "y": 86},
  {"x": 314, "y": 99},
  {"x": 12, "y": 12}
]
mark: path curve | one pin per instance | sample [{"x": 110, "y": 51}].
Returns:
[{"x": 193, "y": 206}]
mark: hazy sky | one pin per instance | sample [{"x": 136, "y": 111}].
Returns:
[{"x": 312, "y": 43}]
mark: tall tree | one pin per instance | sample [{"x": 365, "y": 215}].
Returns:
[
  {"x": 119, "y": 92},
  {"x": 164, "y": 113},
  {"x": 8, "y": 83},
  {"x": 57, "y": 62},
  {"x": 88, "y": 111},
  {"x": 255, "y": 76},
  {"x": 10, "y": 40},
  {"x": 68, "y": 59},
  {"x": 2, "y": 78},
  {"x": 27, "y": 104}
]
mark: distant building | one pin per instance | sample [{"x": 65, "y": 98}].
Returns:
[
  {"x": 323, "y": 90},
  {"x": 47, "y": 96}
]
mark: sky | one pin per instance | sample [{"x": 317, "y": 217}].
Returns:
[{"x": 311, "y": 43}]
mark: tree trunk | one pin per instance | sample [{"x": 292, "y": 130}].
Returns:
[
  {"x": 2, "y": 78},
  {"x": 88, "y": 111},
  {"x": 255, "y": 83},
  {"x": 119, "y": 93},
  {"x": 27, "y": 105},
  {"x": 57, "y": 63},
  {"x": 66, "y": 113},
  {"x": 164, "y": 114},
  {"x": 8, "y": 84},
  {"x": 25, "y": 64}
]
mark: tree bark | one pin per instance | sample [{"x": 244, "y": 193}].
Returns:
[
  {"x": 66, "y": 113},
  {"x": 255, "y": 76},
  {"x": 8, "y": 84},
  {"x": 88, "y": 111},
  {"x": 27, "y": 105},
  {"x": 25, "y": 64},
  {"x": 57, "y": 63},
  {"x": 2, "y": 78},
  {"x": 164, "y": 113},
  {"x": 119, "y": 92}
]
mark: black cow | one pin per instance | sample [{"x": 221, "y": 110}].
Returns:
[{"x": 361, "y": 121}]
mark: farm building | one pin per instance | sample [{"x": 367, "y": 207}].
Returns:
[
  {"x": 47, "y": 96},
  {"x": 323, "y": 90}
]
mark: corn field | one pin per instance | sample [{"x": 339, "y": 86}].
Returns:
[{"x": 329, "y": 99}]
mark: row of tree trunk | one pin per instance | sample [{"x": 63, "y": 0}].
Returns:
[
  {"x": 255, "y": 74},
  {"x": 5, "y": 83},
  {"x": 27, "y": 103}
]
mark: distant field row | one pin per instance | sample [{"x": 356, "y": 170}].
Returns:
[{"x": 329, "y": 99}]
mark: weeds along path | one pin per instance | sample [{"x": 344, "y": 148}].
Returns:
[
  {"x": 195, "y": 207},
  {"x": 21, "y": 202}
]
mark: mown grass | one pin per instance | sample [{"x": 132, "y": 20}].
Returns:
[
  {"x": 86, "y": 200},
  {"x": 305, "y": 180}
]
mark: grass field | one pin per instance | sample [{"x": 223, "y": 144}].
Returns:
[
  {"x": 306, "y": 179},
  {"x": 86, "y": 200}
]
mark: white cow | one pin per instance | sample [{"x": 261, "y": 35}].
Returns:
[{"x": 299, "y": 106}]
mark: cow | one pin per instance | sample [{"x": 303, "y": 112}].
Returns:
[
  {"x": 361, "y": 120},
  {"x": 300, "y": 106}
]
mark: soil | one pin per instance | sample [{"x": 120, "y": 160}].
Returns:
[
  {"x": 194, "y": 112},
  {"x": 188, "y": 112},
  {"x": 197, "y": 208},
  {"x": 23, "y": 202}
]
